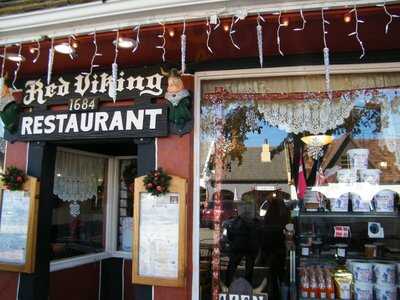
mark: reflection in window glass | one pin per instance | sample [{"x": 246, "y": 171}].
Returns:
[
  {"x": 127, "y": 174},
  {"x": 275, "y": 151},
  {"x": 78, "y": 204}
]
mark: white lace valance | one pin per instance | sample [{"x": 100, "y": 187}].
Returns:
[
  {"x": 77, "y": 177},
  {"x": 314, "y": 117}
]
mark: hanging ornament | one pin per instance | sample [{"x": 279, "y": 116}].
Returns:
[
  {"x": 278, "y": 31},
  {"x": 391, "y": 16},
  {"x": 115, "y": 71},
  {"x": 137, "y": 41},
  {"x": 162, "y": 46},
  {"x": 326, "y": 56},
  {"x": 50, "y": 62},
  {"x": 303, "y": 22},
  {"x": 260, "y": 40},
  {"x": 37, "y": 50},
  {"x": 92, "y": 65},
  {"x": 183, "y": 48},
  {"x": 235, "y": 19},
  {"x": 355, "y": 32},
  {"x": 18, "y": 67}
]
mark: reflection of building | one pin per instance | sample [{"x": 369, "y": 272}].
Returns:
[{"x": 253, "y": 174}]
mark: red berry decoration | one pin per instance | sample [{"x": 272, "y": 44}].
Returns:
[
  {"x": 13, "y": 178},
  {"x": 157, "y": 182}
]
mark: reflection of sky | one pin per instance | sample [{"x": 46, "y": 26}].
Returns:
[{"x": 274, "y": 135}]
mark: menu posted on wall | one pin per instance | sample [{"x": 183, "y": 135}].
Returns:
[
  {"x": 160, "y": 235},
  {"x": 14, "y": 224},
  {"x": 159, "y": 232}
]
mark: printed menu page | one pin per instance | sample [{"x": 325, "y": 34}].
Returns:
[
  {"x": 14, "y": 218},
  {"x": 159, "y": 235}
]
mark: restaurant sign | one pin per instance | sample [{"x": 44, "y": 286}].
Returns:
[
  {"x": 137, "y": 84},
  {"x": 140, "y": 121}
]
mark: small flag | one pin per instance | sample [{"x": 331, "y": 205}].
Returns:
[{"x": 301, "y": 180}]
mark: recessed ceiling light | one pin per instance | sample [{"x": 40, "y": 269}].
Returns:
[
  {"x": 14, "y": 57},
  {"x": 125, "y": 43},
  {"x": 64, "y": 48}
]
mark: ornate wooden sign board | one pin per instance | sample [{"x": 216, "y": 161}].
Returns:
[
  {"x": 139, "y": 84},
  {"x": 159, "y": 239},
  {"x": 18, "y": 226}
]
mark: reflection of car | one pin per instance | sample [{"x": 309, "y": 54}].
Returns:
[{"x": 209, "y": 215}]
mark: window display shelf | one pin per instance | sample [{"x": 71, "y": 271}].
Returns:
[
  {"x": 364, "y": 189},
  {"x": 371, "y": 214}
]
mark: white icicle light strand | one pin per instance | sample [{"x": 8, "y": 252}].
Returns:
[
  {"x": 355, "y": 33},
  {"x": 232, "y": 31},
  {"x": 208, "y": 32},
  {"x": 278, "y": 31},
  {"x": 183, "y": 49},
  {"x": 303, "y": 22},
  {"x": 260, "y": 40},
  {"x": 137, "y": 41},
  {"x": 326, "y": 56},
  {"x": 50, "y": 61},
  {"x": 37, "y": 52},
  {"x": 391, "y": 16},
  {"x": 18, "y": 67},
  {"x": 3, "y": 63},
  {"x": 92, "y": 65},
  {"x": 162, "y": 46}
]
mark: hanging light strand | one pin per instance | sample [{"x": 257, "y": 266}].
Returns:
[
  {"x": 260, "y": 39},
  {"x": 137, "y": 41},
  {"x": 114, "y": 68},
  {"x": 326, "y": 55},
  {"x": 304, "y": 21},
  {"x": 208, "y": 32},
  {"x": 235, "y": 19},
  {"x": 37, "y": 49},
  {"x": 18, "y": 67},
  {"x": 50, "y": 61},
  {"x": 183, "y": 48},
  {"x": 162, "y": 46},
  {"x": 355, "y": 32},
  {"x": 96, "y": 48},
  {"x": 390, "y": 15},
  {"x": 69, "y": 43},
  {"x": 278, "y": 31},
  {"x": 3, "y": 63}
]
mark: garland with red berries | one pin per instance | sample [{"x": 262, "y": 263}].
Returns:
[
  {"x": 13, "y": 178},
  {"x": 157, "y": 182}
]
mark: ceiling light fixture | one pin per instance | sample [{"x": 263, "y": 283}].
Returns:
[
  {"x": 125, "y": 43},
  {"x": 64, "y": 48},
  {"x": 171, "y": 33},
  {"x": 15, "y": 57},
  {"x": 317, "y": 140}
]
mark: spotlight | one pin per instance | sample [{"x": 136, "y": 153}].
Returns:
[
  {"x": 15, "y": 57},
  {"x": 226, "y": 27},
  {"x": 347, "y": 18},
  {"x": 171, "y": 33},
  {"x": 64, "y": 48}
]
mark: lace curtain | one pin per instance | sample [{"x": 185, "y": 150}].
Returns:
[{"x": 77, "y": 177}]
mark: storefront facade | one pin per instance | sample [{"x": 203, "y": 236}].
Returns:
[{"x": 258, "y": 148}]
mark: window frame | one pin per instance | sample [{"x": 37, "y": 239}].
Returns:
[{"x": 200, "y": 77}]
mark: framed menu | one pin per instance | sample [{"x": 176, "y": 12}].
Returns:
[
  {"x": 18, "y": 224},
  {"x": 159, "y": 241}
]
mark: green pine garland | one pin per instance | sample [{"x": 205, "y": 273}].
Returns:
[
  {"x": 157, "y": 182},
  {"x": 13, "y": 178}
]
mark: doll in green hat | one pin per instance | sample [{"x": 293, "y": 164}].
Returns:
[{"x": 179, "y": 100}]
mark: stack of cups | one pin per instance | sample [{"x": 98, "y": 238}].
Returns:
[
  {"x": 385, "y": 281},
  {"x": 362, "y": 273}
]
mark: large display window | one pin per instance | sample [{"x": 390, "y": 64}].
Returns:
[{"x": 299, "y": 187}]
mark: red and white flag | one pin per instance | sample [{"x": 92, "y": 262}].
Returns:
[{"x": 301, "y": 181}]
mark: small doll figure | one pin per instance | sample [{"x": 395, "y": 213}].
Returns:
[{"x": 179, "y": 101}]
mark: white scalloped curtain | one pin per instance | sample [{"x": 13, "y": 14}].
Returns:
[{"x": 77, "y": 177}]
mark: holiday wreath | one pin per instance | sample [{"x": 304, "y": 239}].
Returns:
[
  {"x": 157, "y": 182},
  {"x": 13, "y": 178}
]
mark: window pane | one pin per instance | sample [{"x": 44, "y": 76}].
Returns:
[
  {"x": 127, "y": 174},
  {"x": 275, "y": 151},
  {"x": 79, "y": 204}
]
